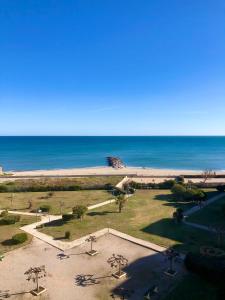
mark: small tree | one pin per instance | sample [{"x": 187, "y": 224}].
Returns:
[
  {"x": 178, "y": 215},
  {"x": 179, "y": 191},
  {"x": 118, "y": 261},
  {"x": 79, "y": 211},
  {"x": 30, "y": 203},
  {"x": 171, "y": 255},
  {"x": 120, "y": 201},
  {"x": 61, "y": 204},
  {"x": 206, "y": 174},
  {"x": 92, "y": 239},
  {"x": 35, "y": 274}
]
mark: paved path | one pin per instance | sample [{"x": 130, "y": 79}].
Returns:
[{"x": 197, "y": 207}]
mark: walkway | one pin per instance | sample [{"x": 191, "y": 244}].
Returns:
[{"x": 197, "y": 207}]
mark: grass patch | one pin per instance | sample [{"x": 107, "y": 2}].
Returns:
[
  {"x": 21, "y": 201},
  {"x": 194, "y": 288},
  {"x": 210, "y": 215},
  {"x": 147, "y": 215},
  {"x": 7, "y": 231}
]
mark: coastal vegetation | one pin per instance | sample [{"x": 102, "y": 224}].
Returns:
[{"x": 60, "y": 184}]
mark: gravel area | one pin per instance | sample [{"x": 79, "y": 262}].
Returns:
[{"x": 79, "y": 276}]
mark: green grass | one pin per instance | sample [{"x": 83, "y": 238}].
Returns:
[
  {"x": 7, "y": 231},
  {"x": 210, "y": 215},
  {"x": 20, "y": 201},
  {"x": 147, "y": 215},
  {"x": 194, "y": 288}
]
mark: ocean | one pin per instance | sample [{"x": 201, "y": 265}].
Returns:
[{"x": 191, "y": 153}]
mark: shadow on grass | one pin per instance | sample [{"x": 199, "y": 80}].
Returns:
[
  {"x": 185, "y": 238},
  {"x": 100, "y": 213},
  {"x": 8, "y": 242},
  {"x": 55, "y": 223}
]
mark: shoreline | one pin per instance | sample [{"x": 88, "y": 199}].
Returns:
[{"x": 104, "y": 170}]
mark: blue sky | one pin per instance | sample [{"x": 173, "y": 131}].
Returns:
[{"x": 118, "y": 67}]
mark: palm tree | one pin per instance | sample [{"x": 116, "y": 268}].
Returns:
[{"x": 120, "y": 201}]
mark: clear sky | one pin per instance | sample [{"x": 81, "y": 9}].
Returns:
[{"x": 112, "y": 67}]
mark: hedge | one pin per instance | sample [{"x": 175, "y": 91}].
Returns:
[
  {"x": 19, "y": 238},
  {"x": 45, "y": 207},
  {"x": 210, "y": 268},
  {"x": 9, "y": 219}
]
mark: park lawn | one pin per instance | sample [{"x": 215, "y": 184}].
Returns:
[
  {"x": 194, "y": 288},
  {"x": 20, "y": 201},
  {"x": 210, "y": 215},
  {"x": 7, "y": 231},
  {"x": 147, "y": 215}
]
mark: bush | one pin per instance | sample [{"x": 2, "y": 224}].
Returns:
[
  {"x": 179, "y": 179},
  {"x": 195, "y": 195},
  {"x": 79, "y": 211},
  {"x": 4, "y": 213},
  {"x": 45, "y": 208},
  {"x": 67, "y": 217},
  {"x": 3, "y": 188},
  {"x": 167, "y": 184},
  {"x": 220, "y": 188},
  {"x": 9, "y": 219},
  {"x": 210, "y": 268},
  {"x": 179, "y": 191},
  {"x": 19, "y": 238},
  {"x": 178, "y": 215},
  {"x": 67, "y": 235}
]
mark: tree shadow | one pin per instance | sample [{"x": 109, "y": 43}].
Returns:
[
  {"x": 6, "y": 294},
  {"x": 55, "y": 223},
  {"x": 100, "y": 213},
  {"x": 145, "y": 273},
  {"x": 8, "y": 242},
  {"x": 89, "y": 279},
  {"x": 185, "y": 238}
]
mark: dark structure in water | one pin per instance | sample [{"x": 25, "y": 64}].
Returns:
[{"x": 115, "y": 162}]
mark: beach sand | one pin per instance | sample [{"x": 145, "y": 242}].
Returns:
[{"x": 132, "y": 171}]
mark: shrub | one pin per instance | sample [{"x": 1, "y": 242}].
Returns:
[
  {"x": 67, "y": 235},
  {"x": 179, "y": 191},
  {"x": 45, "y": 208},
  {"x": 167, "y": 184},
  {"x": 211, "y": 268},
  {"x": 178, "y": 215},
  {"x": 3, "y": 188},
  {"x": 220, "y": 188},
  {"x": 19, "y": 238},
  {"x": 4, "y": 213},
  {"x": 9, "y": 219},
  {"x": 79, "y": 211},
  {"x": 195, "y": 195},
  {"x": 67, "y": 217},
  {"x": 50, "y": 194},
  {"x": 179, "y": 179}
]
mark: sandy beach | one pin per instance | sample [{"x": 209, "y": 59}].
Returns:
[{"x": 132, "y": 171}]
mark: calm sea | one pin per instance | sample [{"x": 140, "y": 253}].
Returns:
[{"x": 30, "y": 153}]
